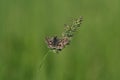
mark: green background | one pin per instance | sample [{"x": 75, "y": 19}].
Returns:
[{"x": 94, "y": 53}]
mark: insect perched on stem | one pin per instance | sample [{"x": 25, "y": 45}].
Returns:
[{"x": 57, "y": 44}]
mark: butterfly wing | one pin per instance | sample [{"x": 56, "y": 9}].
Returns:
[
  {"x": 49, "y": 42},
  {"x": 62, "y": 43},
  {"x": 52, "y": 42}
]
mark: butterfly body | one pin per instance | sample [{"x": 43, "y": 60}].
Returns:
[{"x": 55, "y": 41}]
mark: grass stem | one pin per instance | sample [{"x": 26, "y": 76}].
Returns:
[{"x": 43, "y": 59}]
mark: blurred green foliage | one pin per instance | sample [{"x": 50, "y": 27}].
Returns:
[{"x": 94, "y": 53}]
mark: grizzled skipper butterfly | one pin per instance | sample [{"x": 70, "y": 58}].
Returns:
[{"x": 55, "y": 43}]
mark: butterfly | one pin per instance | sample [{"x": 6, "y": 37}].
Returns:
[{"x": 55, "y": 43}]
